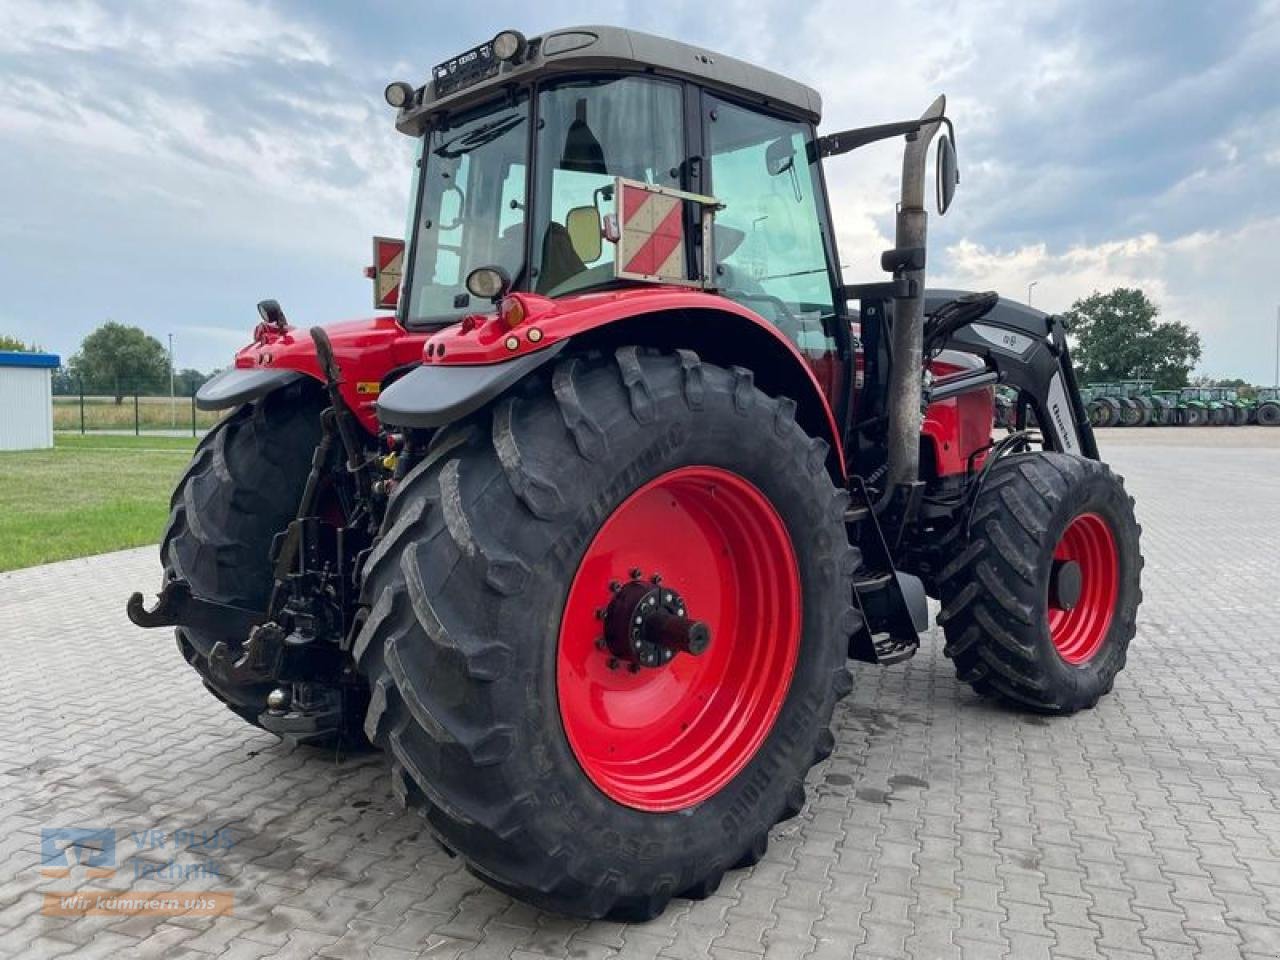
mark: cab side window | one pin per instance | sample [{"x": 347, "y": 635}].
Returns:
[{"x": 769, "y": 249}]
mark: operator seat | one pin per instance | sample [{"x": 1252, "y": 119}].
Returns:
[
  {"x": 559, "y": 260},
  {"x": 582, "y": 151}
]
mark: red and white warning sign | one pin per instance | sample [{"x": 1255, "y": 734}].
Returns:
[
  {"x": 651, "y": 231},
  {"x": 388, "y": 266}
]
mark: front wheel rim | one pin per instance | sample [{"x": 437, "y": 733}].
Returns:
[
  {"x": 1078, "y": 632},
  {"x": 664, "y": 738}
]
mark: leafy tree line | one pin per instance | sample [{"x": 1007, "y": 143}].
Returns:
[
  {"x": 1118, "y": 336},
  {"x": 13, "y": 344},
  {"x": 119, "y": 360}
]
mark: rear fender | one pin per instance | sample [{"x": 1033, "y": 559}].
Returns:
[
  {"x": 368, "y": 353},
  {"x": 717, "y": 329}
]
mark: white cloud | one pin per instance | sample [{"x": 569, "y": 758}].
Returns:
[
  {"x": 171, "y": 34},
  {"x": 1215, "y": 281}
]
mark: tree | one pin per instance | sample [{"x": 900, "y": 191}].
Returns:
[
  {"x": 13, "y": 343},
  {"x": 120, "y": 358},
  {"x": 1118, "y": 337},
  {"x": 186, "y": 382}
]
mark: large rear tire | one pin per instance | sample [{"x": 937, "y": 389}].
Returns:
[
  {"x": 241, "y": 488},
  {"x": 1195, "y": 417},
  {"x": 559, "y": 773},
  {"x": 1109, "y": 412},
  {"x": 1269, "y": 414},
  {"x": 1039, "y": 606}
]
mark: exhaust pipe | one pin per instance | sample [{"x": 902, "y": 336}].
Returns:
[{"x": 906, "y": 381}]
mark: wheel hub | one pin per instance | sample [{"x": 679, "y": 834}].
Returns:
[
  {"x": 1065, "y": 584},
  {"x": 647, "y": 624}
]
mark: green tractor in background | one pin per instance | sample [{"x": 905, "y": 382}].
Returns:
[
  {"x": 1246, "y": 408},
  {"x": 1105, "y": 404},
  {"x": 1267, "y": 411},
  {"x": 1236, "y": 411},
  {"x": 1169, "y": 407},
  {"x": 1138, "y": 409},
  {"x": 1203, "y": 408}
]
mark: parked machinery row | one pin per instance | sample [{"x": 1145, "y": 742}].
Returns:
[{"x": 1135, "y": 403}]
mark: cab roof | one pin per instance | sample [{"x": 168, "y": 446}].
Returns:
[{"x": 583, "y": 49}]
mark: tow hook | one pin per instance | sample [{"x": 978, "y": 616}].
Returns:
[{"x": 177, "y": 606}]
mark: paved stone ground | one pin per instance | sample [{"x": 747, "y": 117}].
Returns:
[{"x": 942, "y": 827}]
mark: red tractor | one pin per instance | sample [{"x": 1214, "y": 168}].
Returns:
[{"x": 585, "y": 537}]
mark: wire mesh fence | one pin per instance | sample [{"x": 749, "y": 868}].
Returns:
[{"x": 130, "y": 411}]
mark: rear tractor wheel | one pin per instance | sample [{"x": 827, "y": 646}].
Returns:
[
  {"x": 1269, "y": 414},
  {"x": 1039, "y": 606},
  {"x": 1195, "y": 417},
  {"x": 608, "y": 623},
  {"x": 242, "y": 487}
]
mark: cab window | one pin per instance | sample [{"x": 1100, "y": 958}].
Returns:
[
  {"x": 590, "y": 132},
  {"x": 768, "y": 240}
]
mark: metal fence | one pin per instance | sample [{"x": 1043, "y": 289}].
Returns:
[{"x": 132, "y": 412}]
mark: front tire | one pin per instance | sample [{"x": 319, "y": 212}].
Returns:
[
  {"x": 1040, "y": 605},
  {"x": 562, "y": 774}
]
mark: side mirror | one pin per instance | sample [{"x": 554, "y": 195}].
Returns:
[
  {"x": 948, "y": 173},
  {"x": 583, "y": 225}
]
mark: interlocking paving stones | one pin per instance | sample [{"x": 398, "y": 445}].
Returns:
[{"x": 942, "y": 827}]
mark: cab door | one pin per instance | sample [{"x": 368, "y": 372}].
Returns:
[{"x": 773, "y": 250}]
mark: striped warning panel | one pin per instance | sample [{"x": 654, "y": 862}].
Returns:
[
  {"x": 652, "y": 240},
  {"x": 388, "y": 259}
]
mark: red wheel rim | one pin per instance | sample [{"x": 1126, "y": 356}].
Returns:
[
  {"x": 1078, "y": 633},
  {"x": 666, "y": 738}
]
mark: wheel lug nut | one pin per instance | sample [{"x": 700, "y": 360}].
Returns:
[
  {"x": 635, "y": 573},
  {"x": 602, "y": 612},
  {"x": 615, "y": 586},
  {"x": 656, "y": 579}
]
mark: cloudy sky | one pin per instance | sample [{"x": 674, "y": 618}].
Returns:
[{"x": 169, "y": 164}]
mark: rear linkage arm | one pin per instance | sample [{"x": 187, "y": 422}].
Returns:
[{"x": 301, "y": 594}]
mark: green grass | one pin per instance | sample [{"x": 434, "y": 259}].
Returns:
[{"x": 87, "y": 495}]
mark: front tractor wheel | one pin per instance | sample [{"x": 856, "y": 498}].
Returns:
[
  {"x": 1039, "y": 606},
  {"x": 608, "y": 622}
]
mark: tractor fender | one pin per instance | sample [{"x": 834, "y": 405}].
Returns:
[
  {"x": 470, "y": 363},
  {"x": 368, "y": 354},
  {"x": 233, "y": 387},
  {"x": 432, "y": 396}
]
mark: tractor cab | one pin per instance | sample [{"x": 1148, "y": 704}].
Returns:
[{"x": 598, "y": 159}]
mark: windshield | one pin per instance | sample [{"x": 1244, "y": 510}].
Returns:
[
  {"x": 471, "y": 212},
  {"x": 589, "y": 132}
]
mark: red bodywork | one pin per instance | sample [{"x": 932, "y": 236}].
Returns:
[
  {"x": 958, "y": 427},
  {"x": 368, "y": 350},
  {"x": 528, "y": 322},
  {"x": 365, "y": 350}
]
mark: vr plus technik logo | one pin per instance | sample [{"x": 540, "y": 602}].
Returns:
[
  {"x": 90, "y": 853},
  {"x": 91, "y": 848}
]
